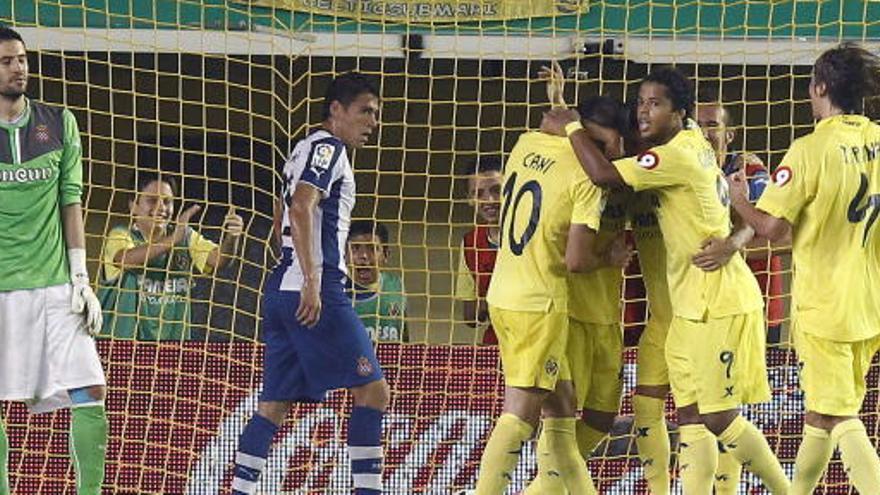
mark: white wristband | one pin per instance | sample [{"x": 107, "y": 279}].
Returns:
[
  {"x": 76, "y": 260},
  {"x": 573, "y": 127}
]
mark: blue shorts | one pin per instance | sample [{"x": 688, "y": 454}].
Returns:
[{"x": 301, "y": 364}]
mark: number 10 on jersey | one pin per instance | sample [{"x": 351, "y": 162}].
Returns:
[{"x": 518, "y": 240}]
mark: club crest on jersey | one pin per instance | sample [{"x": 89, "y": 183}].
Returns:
[
  {"x": 321, "y": 157},
  {"x": 782, "y": 176},
  {"x": 648, "y": 160},
  {"x": 41, "y": 133},
  {"x": 551, "y": 367},
  {"x": 364, "y": 366},
  {"x": 394, "y": 309}
]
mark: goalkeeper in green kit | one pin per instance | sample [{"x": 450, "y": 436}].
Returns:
[{"x": 48, "y": 312}]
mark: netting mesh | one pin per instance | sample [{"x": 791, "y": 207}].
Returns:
[{"x": 213, "y": 93}]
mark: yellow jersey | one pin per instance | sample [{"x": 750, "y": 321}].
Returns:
[
  {"x": 825, "y": 189},
  {"x": 694, "y": 205},
  {"x": 544, "y": 186},
  {"x": 642, "y": 215},
  {"x": 595, "y": 296}
]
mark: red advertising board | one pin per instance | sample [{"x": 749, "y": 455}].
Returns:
[{"x": 176, "y": 411}]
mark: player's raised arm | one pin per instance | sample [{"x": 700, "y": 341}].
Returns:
[
  {"x": 564, "y": 122},
  {"x": 555, "y": 84}
]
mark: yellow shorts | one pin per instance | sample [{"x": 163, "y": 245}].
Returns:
[
  {"x": 595, "y": 357},
  {"x": 532, "y": 347},
  {"x": 718, "y": 363},
  {"x": 833, "y": 373},
  {"x": 651, "y": 359}
]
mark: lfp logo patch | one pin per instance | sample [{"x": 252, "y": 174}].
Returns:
[
  {"x": 648, "y": 160},
  {"x": 782, "y": 176},
  {"x": 321, "y": 158}
]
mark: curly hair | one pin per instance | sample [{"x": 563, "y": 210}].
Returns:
[
  {"x": 850, "y": 74},
  {"x": 679, "y": 88}
]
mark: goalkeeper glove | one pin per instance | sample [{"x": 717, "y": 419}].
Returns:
[{"x": 83, "y": 299}]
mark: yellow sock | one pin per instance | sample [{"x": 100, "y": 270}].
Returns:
[
  {"x": 858, "y": 455},
  {"x": 547, "y": 481},
  {"x": 812, "y": 459},
  {"x": 728, "y": 474},
  {"x": 652, "y": 440},
  {"x": 588, "y": 438},
  {"x": 565, "y": 456},
  {"x": 501, "y": 454},
  {"x": 697, "y": 459},
  {"x": 748, "y": 445}
]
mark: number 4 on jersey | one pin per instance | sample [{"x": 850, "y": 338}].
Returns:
[{"x": 861, "y": 205}]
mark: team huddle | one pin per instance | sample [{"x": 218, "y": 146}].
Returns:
[
  {"x": 569, "y": 193},
  {"x": 708, "y": 344}
]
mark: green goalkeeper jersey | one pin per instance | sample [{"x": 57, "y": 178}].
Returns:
[{"x": 40, "y": 172}]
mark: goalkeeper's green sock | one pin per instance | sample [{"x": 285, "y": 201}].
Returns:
[
  {"x": 88, "y": 447},
  {"x": 4, "y": 455}
]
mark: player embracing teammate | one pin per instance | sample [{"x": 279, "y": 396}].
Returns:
[{"x": 825, "y": 194}]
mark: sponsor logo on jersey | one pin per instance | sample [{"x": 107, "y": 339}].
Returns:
[
  {"x": 782, "y": 176},
  {"x": 648, "y": 160},
  {"x": 24, "y": 175},
  {"x": 321, "y": 158},
  {"x": 177, "y": 285}
]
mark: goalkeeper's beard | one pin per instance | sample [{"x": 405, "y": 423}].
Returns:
[{"x": 12, "y": 96}]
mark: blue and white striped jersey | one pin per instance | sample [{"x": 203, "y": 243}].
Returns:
[{"x": 320, "y": 161}]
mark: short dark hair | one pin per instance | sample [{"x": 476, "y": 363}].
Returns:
[
  {"x": 708, "y": 94},
  {"x": 485, "y": 163},
  {"x": 679, "y": 88},
  {"x": 143, "y": 178},
  {"x": 712, "y": 97},
  {"x": 850, "y": 74},
  {"x": 346, "y": 88},
  {"x": 369, "y": 227},
  {"x": 9, "y": 34},
  {"x": 605, "y": 111}
]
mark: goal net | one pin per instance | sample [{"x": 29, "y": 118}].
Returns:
[{"x": 213, "y": 93}]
